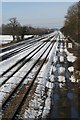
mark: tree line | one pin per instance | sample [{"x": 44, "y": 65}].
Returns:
[
  {"x": 72, "y": 22},
  {"x": 18, "y": 31}
]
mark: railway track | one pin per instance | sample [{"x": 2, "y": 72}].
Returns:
[
  {"x": 20, "y": 48},
  {"x": 31, "y": 50},
  {"x": 21, "y": 65},
  {"x": 26, "y": 80},
  {"x": 20, "y": 60},
  {"x": 19, "y": 44},
  {"x": 33, "y": 53},
  {"x": 29, "y": 88}
]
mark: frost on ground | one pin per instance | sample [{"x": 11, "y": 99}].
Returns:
[
  {"x": 40, "y": 105},
  {"x": 5, "y": 38},
  {"x": 69, "y": 45},
  {"x": 51, "y": 79},
  {"x": 8, "y": 38}
]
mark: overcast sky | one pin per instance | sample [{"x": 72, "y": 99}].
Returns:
[{"x": 37, "y": 14}]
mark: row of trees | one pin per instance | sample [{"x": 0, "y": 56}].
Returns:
[
  {"x": 72, "y": 22},
  {"x": 18, "y": 31}
]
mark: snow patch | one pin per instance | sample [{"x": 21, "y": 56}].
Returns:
[
  {"x": 7, "y": 88},
  {"x": 71, "y": 58},
  {"x": 61, "y": 78},
  {"x": 52, "y": 78},
  {"x": 53, "y": 69},
  {"x": 69, "y": 45},
  {"x": 3, "y": 95},
  {"x": 47, "y": 107},
  {"x": 61, "y": 70},
  {"x": 71, "y": 69},
  {"x": 72, "y": 78},
  {"x": 61, "y": 58},
  {"x": 49, "y": 85},
  {"x": 5, "y": 38}
]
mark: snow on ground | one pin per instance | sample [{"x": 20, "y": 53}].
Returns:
[
  {"x": 11, "y": 83},
  {"x": 61, "y": 50},
  {"x": 71, "y": 58},
  {"x": 61, "y": 58},
  {"x": 7, "y": 88},
  {"x": 53, "y": 68},
  {"x": 4, "y": 65},
  {"x": 71, "y": 69},
  {"x": 25, "y": 46},
  {"x": 36, "y": 67},
  {"x": 61, "y": 78},
  {"x": 61, "y": 70},
  {"x": 35, "y": 104},
  {"x": 3, "y": 95},
  {"x": 27, "y": 36},
  {"x": 69, "y": 45},
  {"x": 47, "y": 106},
  {"x": 2, "y": 79},
  {"x": 72, "y": 78},
  {"x": 35, "y": 110},
  {"x": 14, "y": 80},
  {"x": 41, "y": 51},
  {"x": 17, "y": 48},
  {"x": 8, "y": 38},
  {"x": 40, "y": 103},
  {"x": 5, "y": 39}
]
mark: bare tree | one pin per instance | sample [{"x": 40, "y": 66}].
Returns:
[
  {"x": 14, "y": 25},
  {"x": 23, "y": 32},
  {"x": 72, "y": 21}
]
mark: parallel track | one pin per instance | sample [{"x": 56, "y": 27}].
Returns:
[
  {"x": 23, "y": 61},
  {"x": 35, "y": 59}
]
